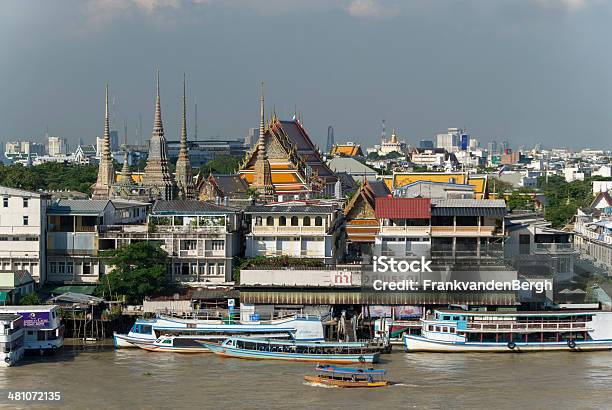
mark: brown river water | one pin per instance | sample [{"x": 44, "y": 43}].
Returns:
[{"x": 97, "y": 376}]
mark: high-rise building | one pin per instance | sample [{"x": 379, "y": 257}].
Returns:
[
  {"x": 449, "y": 140},
  {"x": 427, "y": 144},
  {"x": 57, "y": 146},
  {"x": 114, "y": 140}
]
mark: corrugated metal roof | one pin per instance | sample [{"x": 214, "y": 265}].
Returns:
[
  {"x": 189, "y": 207},
  {"x": 412, "y": 208},
  {"x": 471, "y": 203},
  {"x": 71, "y": 206}
]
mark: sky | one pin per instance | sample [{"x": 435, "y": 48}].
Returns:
[{"x": 523, "y": 70}]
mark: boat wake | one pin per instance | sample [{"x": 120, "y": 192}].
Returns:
[{"x": 325, "y": 386}]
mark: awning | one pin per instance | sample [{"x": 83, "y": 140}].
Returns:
[{"x": 61, "y": 289}]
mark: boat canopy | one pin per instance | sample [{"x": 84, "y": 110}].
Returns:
[{"x": 349, "y": 370}]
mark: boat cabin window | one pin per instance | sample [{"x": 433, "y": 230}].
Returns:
[
  {"x": 446, "y": 318},
  {"x": 146, "y": 329},
  {"x": 452, "y": 330},
  {"x": 430, "y": 328},
  {"x": 445, "y": 329},
  {"x": 456, "y": 318},
  {"x": 437, "y": 328}
]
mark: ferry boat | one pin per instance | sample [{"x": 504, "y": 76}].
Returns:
[
  {"x": 348, "y": 377},
  {"x": 147, "y": 331},
  {"x": 11, "y": 339},
  {"x": 475, "y": 331},
  {"x": 44, "y": 331},
  {"x": 265, "y": 349},
  {"x": 176, "y": 344}
]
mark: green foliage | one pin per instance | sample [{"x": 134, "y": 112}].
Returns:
[
  {"x": 498, "y": 186},
  {"x": 521, "y": 199},
  {"x": 221, "y": 165},
  {"x": 277, "y": 262},
  {"x": 30, "y": 299},
  {"x": 565, "y": 198},
  {"x": 49, "y": 176},
  {"x": 374, "y": 156},
  {"x": 138, "y": 270}
]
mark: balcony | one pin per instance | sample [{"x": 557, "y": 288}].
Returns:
[
  {"x": 405, "y": 230},
  {"x": 194, "y": 253},
  {"x": 291, "y": 253},
  {"x": 288, "y": 230},
  {"x": 467, "y": 231},
  {"x": 553, "y": 248}
]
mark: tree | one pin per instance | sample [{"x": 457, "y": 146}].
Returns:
[
  {"x": 30, "y": 299},
  {"x": 138, "y": 270},
  {"x": 49, "y": 176},
  {"x": 221, "y": 165}
]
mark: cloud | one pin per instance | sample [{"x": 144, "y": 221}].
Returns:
[{"x": 371, "y": 9}]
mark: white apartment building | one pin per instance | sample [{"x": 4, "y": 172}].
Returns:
[
  {"x": 23, "y": 231},
  {"x": 298, "y": 231}
]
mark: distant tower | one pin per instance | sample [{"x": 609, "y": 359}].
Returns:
[
  {"x": 106, "y": 173},
  {"x": 195, "y": 122},
  {"x": 383, "y": 136},
  {"x": 184, "y": 173},
  {"x": 156, "y": 175},
  {"x": 330, "y": 138},
  {"x": 262, "y": 179}
]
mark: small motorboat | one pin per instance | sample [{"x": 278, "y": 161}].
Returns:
[{"x": 348, "y": 377}]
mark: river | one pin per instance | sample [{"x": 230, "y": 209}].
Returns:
[{"x": 97, "y": 376}]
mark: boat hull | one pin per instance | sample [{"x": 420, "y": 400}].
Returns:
[
  {"x": 413, "y": 343},
  {"x": 189, "y": 350},
  {"x": 344, "y": 384},
  {"x": 122, "y": 341},
  {"x": 226, "y": 351}
]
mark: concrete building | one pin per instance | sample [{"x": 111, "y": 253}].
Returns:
[
  {"x": 450, "y": 140},
  {"x": 57, "y": 146},
  {"x": 22, "y": 232},
  {"x": 298, "y": 230},
  {"x": 75, "y": 236}
]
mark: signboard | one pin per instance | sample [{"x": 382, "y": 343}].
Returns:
[
  {"x": 231, "y": 303},
  {"x": 341, "y": 278},
  {"x": 35, "y": 319}
]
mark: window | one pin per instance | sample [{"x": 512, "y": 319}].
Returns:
[
  {"x": 25, "y": 202},
  {"x": 221, "y": 270},
  {"x": 61, "y": 268},
  {"x": 26, "y": 220},
  {"x": 5, "y": 202},
  {"x": 318, "y": 221},
  {"x": 53, "y": 267},
  {"x": 212, "y": 268},
  {"x": 87, "y": 268},
  {"x": 306, "y": 221},
  {"x": 258, "y": 221},
  {"x": 282, "y": 221},
  {"x": 294, "y": 221},
  {"x": 69, "y": 268},
  {"x": 269, "y": 221},
  {"x": 452, "y": 330},
  {"x": 218, "y": 245}
]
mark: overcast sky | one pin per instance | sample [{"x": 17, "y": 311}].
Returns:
[{"x": 523, "y": 70}]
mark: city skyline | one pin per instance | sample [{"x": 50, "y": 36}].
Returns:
[{"x": 521, "y": 72}]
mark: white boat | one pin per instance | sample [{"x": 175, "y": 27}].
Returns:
[
  {"x": 475, "y": 331},
  {"x": 11, "y": 339},
  {"x": 147, "y": 331},
  {"x": 43, "y": 328}
]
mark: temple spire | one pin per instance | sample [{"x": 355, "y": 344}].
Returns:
[
  {"x": 262, "y": 179},
  {"x": 157, "y": 176},
  {"x": 106, "y": 173},
  {"x": 126, "y": 174},
  {"x": 184, "y": 173}
]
